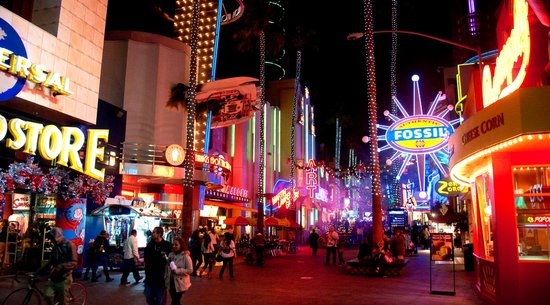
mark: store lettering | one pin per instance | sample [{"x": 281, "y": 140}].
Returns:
[
  {"x": 235, "y": 191},
  {"x": 517, "y": 47},
  {"x": 485, "y": 127},
  {"x": 40, "y": 74},
  {"x": 311, "y": 178},
  {"x": 216, "y": 161},
  {"x": 542, "y": 219},
  {"x": 52, "y": 142}
]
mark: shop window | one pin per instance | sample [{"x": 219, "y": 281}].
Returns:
[
  {"x": 483, "y": 198},
  {"x": 532, "y": 198}
]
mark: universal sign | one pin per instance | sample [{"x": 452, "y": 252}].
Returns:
[
  {"x": 419, "y": 134},
  {"x": 52, "y": 143},
  {"x": 18, "y": 68}
]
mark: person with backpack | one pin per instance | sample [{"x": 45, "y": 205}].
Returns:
[
  {"x": 62, "y": 262},
  {"x": 227, "y": 248}
]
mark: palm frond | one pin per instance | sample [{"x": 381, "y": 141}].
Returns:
[{"x": 178, "y": 96}]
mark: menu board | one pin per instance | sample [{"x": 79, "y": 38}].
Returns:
[{"x": 442, "y": 247}]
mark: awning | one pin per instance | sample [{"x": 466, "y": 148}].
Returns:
[{"x": 229, "y": 206}]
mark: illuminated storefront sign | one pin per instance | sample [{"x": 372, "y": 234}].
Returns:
[
  {"x": 230, "y": 193},
  {"x": 285, "y": 198},
  {"x": 448, "y": 188},
  {"x": 52, "y": 142},
  {"x": 508, "y": 77},
  {"x": 14, "y": 61},
  {"x": 485, "y": 127},
  {"x": 211, "y": 160},
  {"x": 311, "y": 178},
  {"x": 539, "y": 219},
  {"x": 419, "y": 134}
]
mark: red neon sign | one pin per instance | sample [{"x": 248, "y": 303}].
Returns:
[
  {"x": 285, "y": 198},
  {"x": 506, "y": 78}
]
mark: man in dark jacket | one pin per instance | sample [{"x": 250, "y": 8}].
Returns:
[
  {"x": 101, "y": 256},
  {"x": 156, "y": 257}
]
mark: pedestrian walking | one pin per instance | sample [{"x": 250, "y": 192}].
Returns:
[
  {"x": 228, "y": 254},
  {"x": 156, "y": 257},
  {"x": 259, "y": 246},
  {"x": 180, "y": 266},
  {"x": 332, "y": 241},
  {"x": 195, "y": 248},
  {"x": 101, "y": 256},
  {"x": 63, "y": 259},
  {"x": 131, "y": 258},
  {"x": 313, "y": 241},
  {"x": 207, "y": 249}
]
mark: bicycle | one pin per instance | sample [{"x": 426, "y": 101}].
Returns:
[{"x": 32, "y": 295}]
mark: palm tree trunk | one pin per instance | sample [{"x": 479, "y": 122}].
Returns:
[
  {"x": 189, "y": 162},
  {"x": 261, "y": 154},
  {"x": 297, "y": 95},
  {"x": 377, "y": 230}
]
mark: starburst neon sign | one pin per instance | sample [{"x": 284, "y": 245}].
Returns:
[{"x": 418, "y": 134}]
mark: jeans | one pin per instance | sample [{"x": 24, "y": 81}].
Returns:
[
  {"x": 208, "y": 261},
  {"x": 329, "y": 251},
  {"x": 227, "y": 261},
  {"x": 129, "y": 266},
  {"x": 174, "y": 295},
  {"x": 154, "y": 295},
  {"x": 196, "y": 259},
  {"x": 101, "y": 260}
]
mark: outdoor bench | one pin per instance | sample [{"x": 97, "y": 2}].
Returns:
[{"x": 366, "y": 266}]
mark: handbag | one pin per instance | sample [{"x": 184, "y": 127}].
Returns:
[{"x": 219, "y": 257}]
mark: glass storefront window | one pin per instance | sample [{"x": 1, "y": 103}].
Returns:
[
  {"x": 483, "y": 198},
  {"x": 532, "y": 198}
]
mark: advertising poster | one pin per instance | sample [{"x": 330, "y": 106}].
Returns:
[
  {"x": 442, "y": 247},
  {"x": 70, "y": 217}
]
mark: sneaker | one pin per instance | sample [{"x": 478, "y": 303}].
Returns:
[
  {"x": 124, "y": 283},
  {"x": 94, "y": 281},
  {"x": 109, "y": 279},
  {"x": 139, "y": 279}
]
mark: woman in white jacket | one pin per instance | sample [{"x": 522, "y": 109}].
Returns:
[{"x": 178, "y": 269}]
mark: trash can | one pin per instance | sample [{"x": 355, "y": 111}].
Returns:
[{"x": 469, "y": 262}]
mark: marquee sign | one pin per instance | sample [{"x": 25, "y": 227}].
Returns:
[
  {"x": 419, "y": 134},
  {"x": 53, "y": 142},
  {"x": 18, "y": 68}
]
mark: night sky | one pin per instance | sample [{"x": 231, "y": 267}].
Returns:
[{"x": 334, "y": 68}]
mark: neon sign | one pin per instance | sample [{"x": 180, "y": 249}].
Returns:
[
  {"x": 517, "y": 47},
  {"x": 311, "y": 178},
  {"x": 52, "y": 142},
  {"x": 285, "y": 198},
  {"x": 419, "y": 134},
  {"x": 449, "y": 188},
  {"x": 216, "y": 161}
]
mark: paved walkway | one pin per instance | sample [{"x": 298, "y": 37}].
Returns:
[{"x": 304, "y": 279}]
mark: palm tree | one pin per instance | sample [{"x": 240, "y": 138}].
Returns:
[
  {"x": 254, "y": 25},
  {"x": 182, "y": 95},
  {"x": 377, "y": 231}
]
